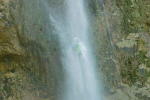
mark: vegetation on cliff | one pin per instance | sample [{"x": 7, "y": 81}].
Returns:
[{"x": 121, "y": 29}]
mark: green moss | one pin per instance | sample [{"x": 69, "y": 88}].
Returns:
[
  {"x": 135, "y": 15},
  {"x": 133, "y": 69},
  {"x": 141, "y": 56},
  {"x": 11, "y": 86}
]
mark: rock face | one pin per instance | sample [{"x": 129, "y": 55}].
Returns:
[
  {"x": 30, "y": 65},
  {"x": 29, "y": 54},
  {"x": 10, "y": 53},
  {"x": 9, "y": 42},
  {"x": 123, "y": 39}
]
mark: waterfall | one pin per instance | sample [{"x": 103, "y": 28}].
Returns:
[{"x": 77, "y": 58}]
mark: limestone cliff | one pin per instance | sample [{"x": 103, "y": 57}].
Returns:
[
  {"x": 122, "y": 34},
  {"x": 27, "y": 56},
  {"x": 30, "y": 65}
]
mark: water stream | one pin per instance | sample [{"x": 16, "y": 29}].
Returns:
[{"x": 77, "y": 55}]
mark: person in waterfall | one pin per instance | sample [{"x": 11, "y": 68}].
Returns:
[{"x": 79, "y": 47}]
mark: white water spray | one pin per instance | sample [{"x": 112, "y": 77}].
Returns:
[{"x": 78, "y": 60}]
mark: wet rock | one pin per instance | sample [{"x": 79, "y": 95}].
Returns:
[
  {"x": 126, "y": 44},
  {"x": 9, "y": 41}
]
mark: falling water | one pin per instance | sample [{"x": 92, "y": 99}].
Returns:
[{"x": 77, "y": 56}]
